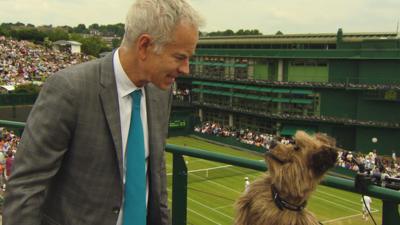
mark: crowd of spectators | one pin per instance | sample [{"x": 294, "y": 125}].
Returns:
[
  {"x": 316, "y": 118},
  {"x": 335, "y": 85},
  {"x": 181, "y": 94},
  {"x": 246, "y": 136},
  {"x": 23, "y": 61},
  {"x": 8, "y": 147},
  {"x": 377, "y": 166}
]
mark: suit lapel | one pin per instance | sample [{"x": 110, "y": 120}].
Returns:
[
  {"x": 109, "y": 100},
  {"x": 152, "y": 109}
]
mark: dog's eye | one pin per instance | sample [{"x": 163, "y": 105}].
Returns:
[{"x": 296, "y": 148}]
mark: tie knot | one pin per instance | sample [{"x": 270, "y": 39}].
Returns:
[{"x": 136, "y": 95}]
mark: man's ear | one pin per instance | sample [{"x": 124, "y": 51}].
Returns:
[{"x": 144, "y": 42}]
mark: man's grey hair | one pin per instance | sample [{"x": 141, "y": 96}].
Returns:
[{"x": 158, "y": 18}]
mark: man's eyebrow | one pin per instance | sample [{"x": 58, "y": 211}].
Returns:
[{"x": 181, "y": 55}]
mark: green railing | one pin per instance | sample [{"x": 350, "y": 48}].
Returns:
[
  {"x": 17, "y": 99},
  {"x": 390, "y": 198}
]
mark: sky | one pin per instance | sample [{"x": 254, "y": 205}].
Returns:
[{"x": 268, "y": 16}]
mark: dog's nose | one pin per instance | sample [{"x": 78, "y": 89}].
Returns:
[{"x": 273, "y": 144}]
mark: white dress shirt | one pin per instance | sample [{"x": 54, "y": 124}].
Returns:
[{"x": 124, "y": 88}]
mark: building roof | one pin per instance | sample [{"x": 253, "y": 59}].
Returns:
[
  {"x": 64, "y": 42},
  {"x": 8, "y": 87}
]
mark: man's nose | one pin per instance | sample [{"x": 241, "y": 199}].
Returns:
[{"x": 184, "y": 67}]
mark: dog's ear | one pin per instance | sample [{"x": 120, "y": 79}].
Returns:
[{"x": 323, "y": 160}]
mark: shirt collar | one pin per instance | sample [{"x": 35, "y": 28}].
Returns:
[{"x": 124, "y": 85}]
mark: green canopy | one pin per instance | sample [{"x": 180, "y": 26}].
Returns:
[{"x": 290, "y": 130}]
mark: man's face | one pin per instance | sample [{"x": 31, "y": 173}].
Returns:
[{"x": 162, "y": 68}]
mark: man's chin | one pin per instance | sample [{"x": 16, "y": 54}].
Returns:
[{"x": 163, "y": 86}]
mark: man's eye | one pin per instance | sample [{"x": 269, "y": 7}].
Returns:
[{"x": 180, "y": 57}]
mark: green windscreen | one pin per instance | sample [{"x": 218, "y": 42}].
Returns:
[{"x": 308, "y": 73}]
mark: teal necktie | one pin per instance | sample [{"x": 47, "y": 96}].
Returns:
[{"x": 135, "y": 174}]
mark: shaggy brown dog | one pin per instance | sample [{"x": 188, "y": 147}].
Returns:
[{"x": 280, "y": 196}]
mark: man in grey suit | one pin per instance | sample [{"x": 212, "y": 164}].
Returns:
[{"x": 70, "y": 168}]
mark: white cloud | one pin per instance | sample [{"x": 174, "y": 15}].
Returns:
[{"x": 289, "y": 16}]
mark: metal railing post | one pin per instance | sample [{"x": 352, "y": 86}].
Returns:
[
  {"x": 179, "y": 190},
  {"x": 390, "y": 213}
]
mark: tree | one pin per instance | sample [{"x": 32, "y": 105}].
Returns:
[
  {"x": 116, "y": 42},
  {"x": 19, "y": 24},
  {"x": 31, "y": 34},
  {"x": 94, "y": 26},
  {"x": 57, "y": 34},
  {"x": 94, "y": 46},
  {"x": 279, "y": 33},
  {"x": 67, "y": 29},
  {"x": 81, "y": 28},
  {"x": 47, "y": 43},
  {"x": 76, "y": 37}
]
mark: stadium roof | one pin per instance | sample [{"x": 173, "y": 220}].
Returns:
[{"x": 295, "y": 38}]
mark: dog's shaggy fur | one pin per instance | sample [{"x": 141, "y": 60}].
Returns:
[{"x": 302, "y": 166}]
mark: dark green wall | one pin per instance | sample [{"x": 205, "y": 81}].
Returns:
[
  {"x": 380, "y": 44},
  {"x": 378, "y": 110},
  {"x": 18, "y": 113},
  {"x": 341, "y": 70},
  {"x": 379, "y": 71},
  {"x": 345, "y": 136},
  {"x": 388, "y": 140},
  {"x": 338, "y": 103},
  {"x": 185, "y": 115}
]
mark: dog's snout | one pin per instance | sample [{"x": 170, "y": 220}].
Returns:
[{"x": 273, "y": 144}]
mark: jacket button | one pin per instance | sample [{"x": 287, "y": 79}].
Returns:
[{"x": 115, "y": 210}]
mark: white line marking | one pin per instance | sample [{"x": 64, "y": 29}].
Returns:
[
  {"x": 219, "y": 184},
  {"x": 203, "y": 216},
  {"x": 335, "y": 196},
  {"x": 195, "y": 212},
  {"x": 333, "y": 203},
  {"x": 205, "y": 206},
  {"x": 344, "y": 217},
  {"x": 343, "y": 199},
  {"x": 224, "y": 206},
  {"x": 205, "y": 169}
]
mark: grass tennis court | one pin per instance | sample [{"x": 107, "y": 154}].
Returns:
[{"x": 213, "y": 188}]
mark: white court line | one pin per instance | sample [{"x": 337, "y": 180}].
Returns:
[
  {"x": 194, "y": 159},
  {"x": 205, "y": 169},
  {"x": 205, "y": 206},
  {"x": 345, "y": 217},
  {"x": 343, "y": 199},
  {"x": 195, "y": 212},
  {"x": 203, "y": 216},
  {"x": 224, "y": 206},
  {"x": 219, "y": 184},
  {"x": 333, "y": 203}
]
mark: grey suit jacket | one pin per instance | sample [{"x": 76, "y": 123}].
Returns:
[{"x": 68, "y": 166}]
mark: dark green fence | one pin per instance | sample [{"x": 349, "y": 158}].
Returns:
[
  {"x": 17, "y": 99},
  {"x": 390, "y": 198}
]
